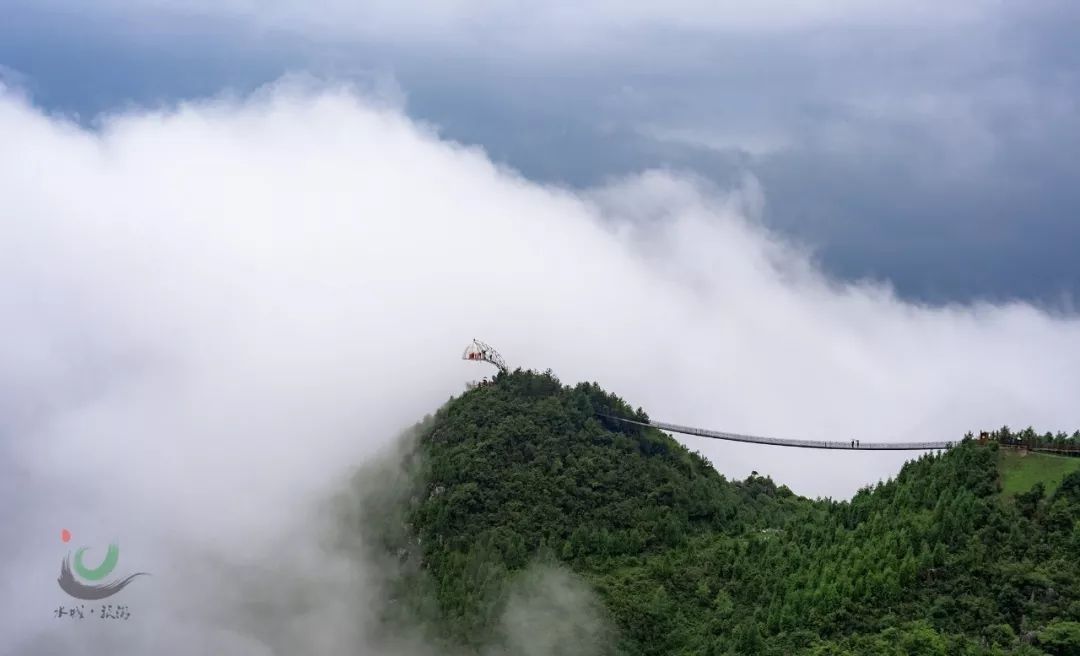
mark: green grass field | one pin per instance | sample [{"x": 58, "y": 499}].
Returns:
[{"x": 1021, "y": 473}]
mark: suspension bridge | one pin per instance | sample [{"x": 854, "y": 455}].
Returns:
[
  {"x": 478, "y": 351},
  {"x": 851, "y": 445}
]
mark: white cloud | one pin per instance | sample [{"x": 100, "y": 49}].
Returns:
[{"x": 212, "y": 314}]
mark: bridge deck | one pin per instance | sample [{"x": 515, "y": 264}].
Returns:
[{"x": 800, "y": 444}]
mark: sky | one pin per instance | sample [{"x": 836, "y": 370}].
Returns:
[
  {"x": 927, "y": 148},
  {"x": 243, "y": 250}
]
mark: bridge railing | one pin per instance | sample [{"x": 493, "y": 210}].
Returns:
[{"x": 853, "y": 445}]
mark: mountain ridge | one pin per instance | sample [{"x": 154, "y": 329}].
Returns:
[{"x": 684, "y": 561}]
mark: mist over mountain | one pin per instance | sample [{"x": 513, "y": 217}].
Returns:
[
  {"x": 242, "y": 244},
  {"x": 215, "y": 311}
]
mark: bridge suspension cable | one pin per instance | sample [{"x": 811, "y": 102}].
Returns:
[{"x": 851, "y": 445}]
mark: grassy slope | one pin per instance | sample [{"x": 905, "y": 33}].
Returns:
[{"x": 1021, "y": 473}]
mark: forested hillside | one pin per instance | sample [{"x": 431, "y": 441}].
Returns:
[{"x": 936, "y": 561}]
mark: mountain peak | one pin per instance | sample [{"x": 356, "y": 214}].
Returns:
[{"x": 526, "y": 471}]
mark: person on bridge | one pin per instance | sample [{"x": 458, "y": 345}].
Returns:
[
  {"x": 857, "y": 444},
  {"x": 853, "y": 444}
]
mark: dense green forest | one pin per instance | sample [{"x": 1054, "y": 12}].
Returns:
[{"x": 683, "y": 561}]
